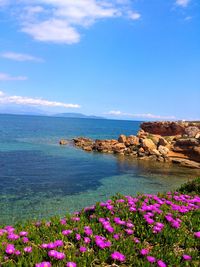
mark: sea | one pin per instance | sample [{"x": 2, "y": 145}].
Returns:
[{"x": 40, "y": 179}]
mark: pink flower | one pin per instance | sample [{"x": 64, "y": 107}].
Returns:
[
  {"x": 43, "y": 264},
  {"x": 63, "y": 221},
  {"x": 88, "y": 231},
  {"x": 161, "y": 263},
  {"x": 144, "y": 251},
  {"x": 17, "y": 252},
  {"x": 86, "y": 240},
  {"x": 23, "y": 233},
  {"x": 10, "y": 249},
  {"x": 83, "y": 249},
  {"x": 25, "y": 240},
  {"x": 67, "y": 232},
  {"x": 13, "y": 236},
  {"x": 197, "y": 234},
  {"x": 78, "y": 237},
  {"x": 151, "y": 259},
  {"x": 116, "y": 236},
  {"x": 136, "y": 240},
  {"x": 28, "y": 249},
  {"x": 118, "y": 256},
  {"x": 187, "y": 257},
  {"x": 71, "y": 264},
  {"x": 60, "y": 256}
]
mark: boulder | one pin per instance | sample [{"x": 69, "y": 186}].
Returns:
[
  {"x": 132, "y": 141},
  {"x": 187, "y": 142},
  {"x": 142, "y": 134},
  {"x": 122, "y": 138},
  {"x": 162, "y": 142},
  {"x": 119, "y": 148},
  {"x": 154, "y": 152},
  {"x": 163, "y": 150},
  {"x": 87, "y": 148},
  {"x": 192, "y": 131},
  {"x": 165, "y": 128},
  {"x": 155, "y": 138},
  {"x": 63, "y": 142},
  {"x": 148, "y": 144}
]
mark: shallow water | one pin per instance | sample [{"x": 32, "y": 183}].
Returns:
[{"x": 39, "y": 178}]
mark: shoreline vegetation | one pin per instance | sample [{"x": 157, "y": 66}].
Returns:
[
  {"x": 144, "y": 230},
  {"x": 175, "y": 142}
]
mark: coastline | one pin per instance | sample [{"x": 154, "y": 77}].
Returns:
[{"x": 175, "y": 142}]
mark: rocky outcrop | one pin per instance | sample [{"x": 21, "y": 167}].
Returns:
[
  {"x": 182, "y": 148},
  {"x": 167, "y": 128}
]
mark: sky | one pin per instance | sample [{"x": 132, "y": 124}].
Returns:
[{"x": 118, "y": 59}]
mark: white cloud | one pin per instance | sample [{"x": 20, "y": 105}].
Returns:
[
  {"x": 56, "y": 31},
  {"x": 134, "y": 15},
  {"x": 20, "y": 57},
  {"x": 23, "y": 100},
  {"x": 8, "y": 77},
  {"x": 143, "y": 115},
  {"x": 182, "y": 3},
  {"x": 115, "y": 112},
  {"x": 61, "y": 21}
]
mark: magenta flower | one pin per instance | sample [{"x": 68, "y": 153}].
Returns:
[
  {"x": 75, "y": 219},
  {"x": 52, "y": 253},
  {"x": 118, "y": 256},
  {"x": 187, "y": 257},
  {"x": 129, "y": 231},
  {"x": 23, "y": 233},
  {"x": 197, "y": 234},
  {"x": 58, "y": 243},
  {"x": 13, "y": 236},
  {"x": 71, "y": 264},
  {"x": 43, "y": 264},
  {"x": 151, "y": 259},
  {"x": 10, "y": 249},
  {"x": 67, "y": 232},
  {"x": 83, "y": 249},
  {"x": 161, "y": 263},
  {"x": 60, "y": 256},
  {"x": 88, "y": 231},
  {"x": 136, "y": 240},
  {"x": 17, "y": 252},
  {"x": 86, "y": 240},
  {"x": 144, "y": 251},
  {"x": 63, "y": 221},
  {"x": 116, "y": 236},
  {"x": 28, "y": 249},
  {"x": 25, "y": 239},
  {"x": 78, "y": 237}
]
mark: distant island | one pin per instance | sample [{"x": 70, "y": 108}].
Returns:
[{"x": 77, "y": 115}]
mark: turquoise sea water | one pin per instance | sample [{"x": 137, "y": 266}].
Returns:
[{"x": 39, "y": 178}]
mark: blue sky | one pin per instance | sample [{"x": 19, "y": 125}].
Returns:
[{"x": 120, "y": 59}]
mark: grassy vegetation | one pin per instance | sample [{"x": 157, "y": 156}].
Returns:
[{"x": 146, "y": 230}]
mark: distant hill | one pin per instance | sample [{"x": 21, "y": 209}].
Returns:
[
  {"x": 77, "y": 115},
  {"x": 21, "y": 110}
]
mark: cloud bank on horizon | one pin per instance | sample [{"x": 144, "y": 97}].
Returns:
[
  {"x": 23, "y": 100},
  {"x": 118, "y": 113}
]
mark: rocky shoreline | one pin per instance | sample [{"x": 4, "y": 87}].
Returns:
[{"x": 176, "y": 142}]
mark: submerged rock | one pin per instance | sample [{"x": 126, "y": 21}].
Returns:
[{"x": 63, "y": 142}]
